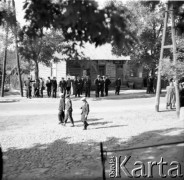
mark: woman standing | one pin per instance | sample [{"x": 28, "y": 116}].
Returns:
[{"x": 170, "y": 95}]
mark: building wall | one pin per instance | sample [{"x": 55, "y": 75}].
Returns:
[
  {"x": 113, "y": 69},
  {"x": 61, "y": 70},
  {"x": 44, "y": 71}
]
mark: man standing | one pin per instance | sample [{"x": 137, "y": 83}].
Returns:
[
  {"x": 68, "y": 109},
  {"x": 107, "y": 83},
  {"x": 78, "y": 87},
  {"x": 28, "y": 87},
  {"x": 42, "y": 87},
  {"x": 102, "y": 86},
  {"x": 118, "y": 85},
  {"x": 85, "y": 112},
  {"x": 62, "y": 86},
  {"x": 97, "y": 85},
  {"x": 48, "y": 85},
  {"x": 54, "y": 87},
  {"x": 61, "y": 113},
  {"x": 81, "y": 85},
  {"x": 87, "y": 85},
  {"x": 74, "y": 85},
  {"x": 68, "y": 86}
]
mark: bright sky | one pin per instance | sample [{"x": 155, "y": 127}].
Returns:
[{"x": 20, "y": 13}]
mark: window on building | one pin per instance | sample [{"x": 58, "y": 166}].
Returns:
[{"x": 133, "y": 73}]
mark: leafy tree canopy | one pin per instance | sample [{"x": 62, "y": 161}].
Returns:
[{"x": 80, "y": 21}]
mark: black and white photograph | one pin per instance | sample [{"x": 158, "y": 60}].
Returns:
[{"x": 91, "y": 89}]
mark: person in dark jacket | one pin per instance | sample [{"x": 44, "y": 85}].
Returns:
[
  {"x": 107, "y": 84},
  {"x": 82, "y": 85},
  {"x": 84, "y": 113},
  {"x": 78, "y": 87},
  {"x": 68, "y": 86},
  {"x": 118, "y": 85},
  {"x": 54, "y": 87},
  {"x": 48, "y": 85},
  {"x": 1, "y": 163},
  {"x": 87, "y": 85},
  {"x": 37, "y": 88},
  {"x": 150, "y": 83},
  {"x": 61, "y": 113},
  {"x": 68, "y": 109},
  {"x": 42, "y": 87},
  {"x": 74, "y": 85},
  {"x": 62, "y": 86},
  {"x": 182, "y": 94},
  {"x": 28, "y": 87},
  {"x": 102, "y": 86},
  {"x": 97, "y": 85}
]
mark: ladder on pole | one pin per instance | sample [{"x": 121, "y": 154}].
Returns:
[{"x": 163, "y": 46}]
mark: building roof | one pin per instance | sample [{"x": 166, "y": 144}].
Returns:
[{"x": 103, "y": 52}]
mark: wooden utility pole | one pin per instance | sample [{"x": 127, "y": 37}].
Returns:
[
  {"x": 160, "y": 60},
  {"x": 175, "y": 61},
  {"x": 16, "y": 49},
  {"x": 163, "y": 46},
  {"x": 5, "y": 56}
]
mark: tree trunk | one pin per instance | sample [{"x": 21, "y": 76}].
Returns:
[
  {"x": 5, "y": 57},
  {"x": 36, "y": 71},
  {"x": 16, "y": 50}
]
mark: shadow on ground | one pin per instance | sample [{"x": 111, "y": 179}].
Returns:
[
  {"x": 128, "y": 96},
  {"x": 61, "y": 160},
  {"x": 9, "y": 100}
]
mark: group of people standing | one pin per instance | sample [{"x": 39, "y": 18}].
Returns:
[
  {"x": 171, "y": 94},
  {"x": 66, "y": 109},
  {"x": 79, "y": 85},
  {"x": 151, "y": 85},
  {"x": 34, "y": 88},
  {"x": 102, "y": 85}
]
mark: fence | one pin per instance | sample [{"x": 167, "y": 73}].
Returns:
[{"x": 103, "y": 157}]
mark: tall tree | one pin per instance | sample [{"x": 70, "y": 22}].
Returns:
[
  {"x": 40, "y": 49},
  {"x": 80, "y": 21},
  {"x": 147, "y": 24}
]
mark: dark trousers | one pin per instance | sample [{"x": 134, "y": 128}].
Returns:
[
  {"x": 87, "y": 92},
  {"x": 1, "y": 164},
  {"x": 77, "y": 92},
  {"x": 117, "y": 90},
  {"x": 97, "y": 91},
  {"x": 102, "y": 92},
  {"x": 48, "y": 92},
  {"x": 28, "y": 92},
  {"x": 68, "y": 90},
  {"x": 106, "y": 91},
  {"x": 69, "y": 115},
  {"x": 41, "y": 91},
  {"x": 81, "y": 90},
  {"x": 37, "y": 92},
  {"x": 61, "y": 116},
  {"x": 54, "y": 93}
]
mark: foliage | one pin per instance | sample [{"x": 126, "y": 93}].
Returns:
[
  {"x": 147, "y": 23},
  {"x": 80, "y": 21},
  {"x": 6, "y": 14},
  {"x": 169, "y": 69}
]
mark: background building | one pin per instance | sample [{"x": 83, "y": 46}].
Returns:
[{"x": 100, "y": 61}]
